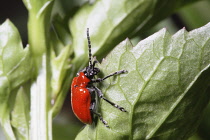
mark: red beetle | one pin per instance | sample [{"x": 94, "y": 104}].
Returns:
[{"x": 83, "y": 99}]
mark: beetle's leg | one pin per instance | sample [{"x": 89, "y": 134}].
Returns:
[
  {"x": 112, "y": 74},
  {"x": 100, "y": 94},
  {"x": 92, "y": 109}
]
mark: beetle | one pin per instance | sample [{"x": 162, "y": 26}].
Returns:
[{"x": 83, "y": 91}]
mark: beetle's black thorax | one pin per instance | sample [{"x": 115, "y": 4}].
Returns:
[{"x": 90, "y": 71}]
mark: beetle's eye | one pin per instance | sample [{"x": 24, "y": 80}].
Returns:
[{"x": 85, "y": 73}]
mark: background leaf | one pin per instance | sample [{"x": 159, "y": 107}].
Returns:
[
  {"x": 20, "y": 115},
  {"x": 112, "y": 21},
  {"x": 15, "y": 68},
  {"x": 165, "y": 90}
]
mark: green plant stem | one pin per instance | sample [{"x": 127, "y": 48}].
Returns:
[
  {"x": 37, "y": 38},
  {"x": 41, "y": 118},
  {"x": 38, "y": 32}
]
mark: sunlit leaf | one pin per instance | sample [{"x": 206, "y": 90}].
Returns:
[
  {"x": 20, "y": 115},
  {"x": 165, "y": 91},
  {"x": 15, "y": 69},
  {"x": 112, "y": 21}
]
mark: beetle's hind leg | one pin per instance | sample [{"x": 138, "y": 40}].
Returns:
[{"x": 92, "y": 109}]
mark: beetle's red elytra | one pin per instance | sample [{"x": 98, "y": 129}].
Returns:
[{"x": 83, "y": 91}]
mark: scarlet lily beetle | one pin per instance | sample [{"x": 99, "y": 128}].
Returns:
[{"x": 83, "y": 91}]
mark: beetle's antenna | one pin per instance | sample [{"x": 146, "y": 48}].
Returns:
[{"x": 89, "y": 48}]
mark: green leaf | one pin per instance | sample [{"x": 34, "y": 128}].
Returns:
[
  {"x": 112, "y": 21},
  {"x": 66, "y": 8},
  {"x": 15, "y": 69},
  {"x": 165, "y": 91},
  {"x": 61, "y": 36},
  {"x": 60, "y": 63},
  {"x": 205, "y": 124},
  {"x": 20, "y": 115},
  {"x": 15, "y": 62},
  {"x": 60, "y": 68},
  {"x": 108, "y": 22}
]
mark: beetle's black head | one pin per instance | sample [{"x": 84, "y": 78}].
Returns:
[{"x": 90, "y": 71}]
